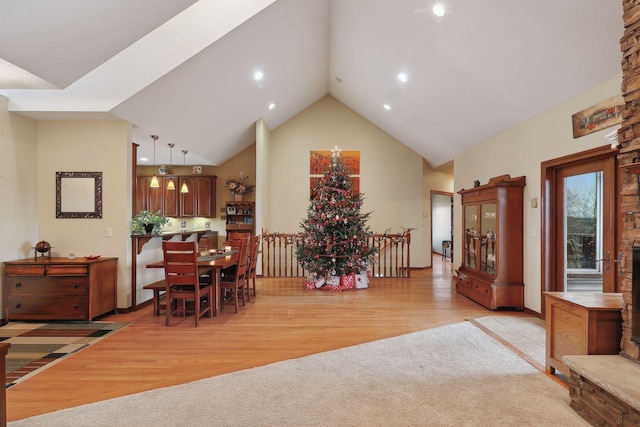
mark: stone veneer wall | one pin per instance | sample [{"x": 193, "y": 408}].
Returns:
[
  {"x": 598, "y": 406},
  {"x": 629, "y": 137}
]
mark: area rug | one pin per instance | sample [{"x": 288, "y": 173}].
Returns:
[
  {"x": 37, "y": 346},
  {"x": 454, "y": 375}
]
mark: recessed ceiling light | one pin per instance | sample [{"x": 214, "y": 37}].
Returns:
[
  {"x": 387, "y": 107},
  {"x": 403, "y": 77},
  {"x": 272, "y": 106},
  {"x": 438, "y": 10},
  {"x": 258, "y": 75}
]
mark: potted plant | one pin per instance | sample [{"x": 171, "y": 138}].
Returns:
[{"x": 147, "y": 222}]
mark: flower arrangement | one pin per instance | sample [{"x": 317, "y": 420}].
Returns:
[
  {"x": 147, "y": 222},
  {"x": 239, "y": 185}
]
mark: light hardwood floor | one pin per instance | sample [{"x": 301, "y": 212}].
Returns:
[{"x": 284, "y": 321}]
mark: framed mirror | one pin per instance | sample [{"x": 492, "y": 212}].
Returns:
[{"x": 78, "y": 194}]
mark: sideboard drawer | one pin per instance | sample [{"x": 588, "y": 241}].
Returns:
[
  {"x": 464, "y": 284},
  {"x": 46, "y": 286},
  {"x": 482, "y": 292},
  {"x": 66, "y": 270},
  {"x": 63, "y": 307},
  {"x": 24, "y": 270}
]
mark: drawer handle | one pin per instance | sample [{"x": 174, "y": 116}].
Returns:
[
  {"x": 18, "y": 285},
  {"x": 18, "y": 305},
  {"x": 75, "y": 305},
  {"x": 75, "y": 285}
]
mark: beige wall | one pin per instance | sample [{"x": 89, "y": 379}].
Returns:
[
  {"x": 391, "y": 175},
  {"x": 18, "y": 186},
  {"x": 519, "y": 151},
  {"x": 87, "y": 146}
]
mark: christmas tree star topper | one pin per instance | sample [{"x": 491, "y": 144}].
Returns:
[{"x": 335, "y": 152}]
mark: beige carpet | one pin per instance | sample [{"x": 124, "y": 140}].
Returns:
[
  {"x": 526, "y": 335},
  {"x": 455, "y": 375}
]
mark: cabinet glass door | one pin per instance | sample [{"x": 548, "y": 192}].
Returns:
[
  {"x": 470, "y": 235},
  {"x": 488, "y": 238}
]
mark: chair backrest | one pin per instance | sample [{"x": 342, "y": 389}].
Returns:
[
  {"x": 242, "y": 246},
  {"x": 235, "y": 235},
  {"x": 253, "y": 255},
  {"x": 203, "y": 246},
  {"x": 180, "y": 263}
]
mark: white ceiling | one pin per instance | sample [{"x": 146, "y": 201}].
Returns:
[{"x": 183, "y": 69}]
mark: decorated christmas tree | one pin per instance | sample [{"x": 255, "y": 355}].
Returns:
[{"x": 334, "y": 241}]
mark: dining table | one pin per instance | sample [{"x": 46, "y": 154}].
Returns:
[{"x": 216, "y": 262}]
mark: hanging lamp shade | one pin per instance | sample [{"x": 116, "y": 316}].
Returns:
[
  {"x": 154, "y": 178},
  {"x": 184, "y": 188},
  {"x": 171, "y": 185}
]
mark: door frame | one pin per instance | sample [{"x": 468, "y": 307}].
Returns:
[
  {"x": 448, "y": 194},
  {"x": 549, "y": 217}
]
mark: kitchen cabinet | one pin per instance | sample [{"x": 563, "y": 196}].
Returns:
[{"x": 200, "y": 201}]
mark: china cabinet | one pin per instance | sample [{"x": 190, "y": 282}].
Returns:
[{"x": 491, "y": 269}]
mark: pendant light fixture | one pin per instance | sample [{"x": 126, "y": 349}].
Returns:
[
  {"x": 154, "y": 178},
  {"x": 171, "y": 185},
  {"x": 184, "y": 188}
]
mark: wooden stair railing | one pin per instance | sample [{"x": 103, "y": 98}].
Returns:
[{"x": 392, "y": 260}]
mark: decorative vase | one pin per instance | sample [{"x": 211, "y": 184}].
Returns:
[
  {"x": 237, "y": 197},
  {"x": 148, "y": 228}
]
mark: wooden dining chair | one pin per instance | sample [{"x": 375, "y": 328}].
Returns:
[
  {"x": 183, "y": 283},
  {"x": 233, "y": 281},
  {"x": 254, "y": 251},
  {"x": 203, "y": 246},
  {"x": 233, "y": 241},
  {"x": 251, "y": 239}
]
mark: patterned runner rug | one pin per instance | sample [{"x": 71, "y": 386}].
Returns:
[{"x": 37, "y": 346}]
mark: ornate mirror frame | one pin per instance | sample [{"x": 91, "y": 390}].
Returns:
[{"x": 78, "y": 194}]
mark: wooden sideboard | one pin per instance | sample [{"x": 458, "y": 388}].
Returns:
[
  {"x": 59, "y": 288},
  {"x": 581, "y": 323}
]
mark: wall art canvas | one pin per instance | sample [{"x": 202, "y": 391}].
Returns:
[
  {"x": 600, "y": 116},
  {"x": 319, "y": 161}
]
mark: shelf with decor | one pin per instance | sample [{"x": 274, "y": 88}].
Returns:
[{"x": 240, "y": 217}]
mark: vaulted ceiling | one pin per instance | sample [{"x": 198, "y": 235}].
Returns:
[{"x": 184, "y": 69}]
